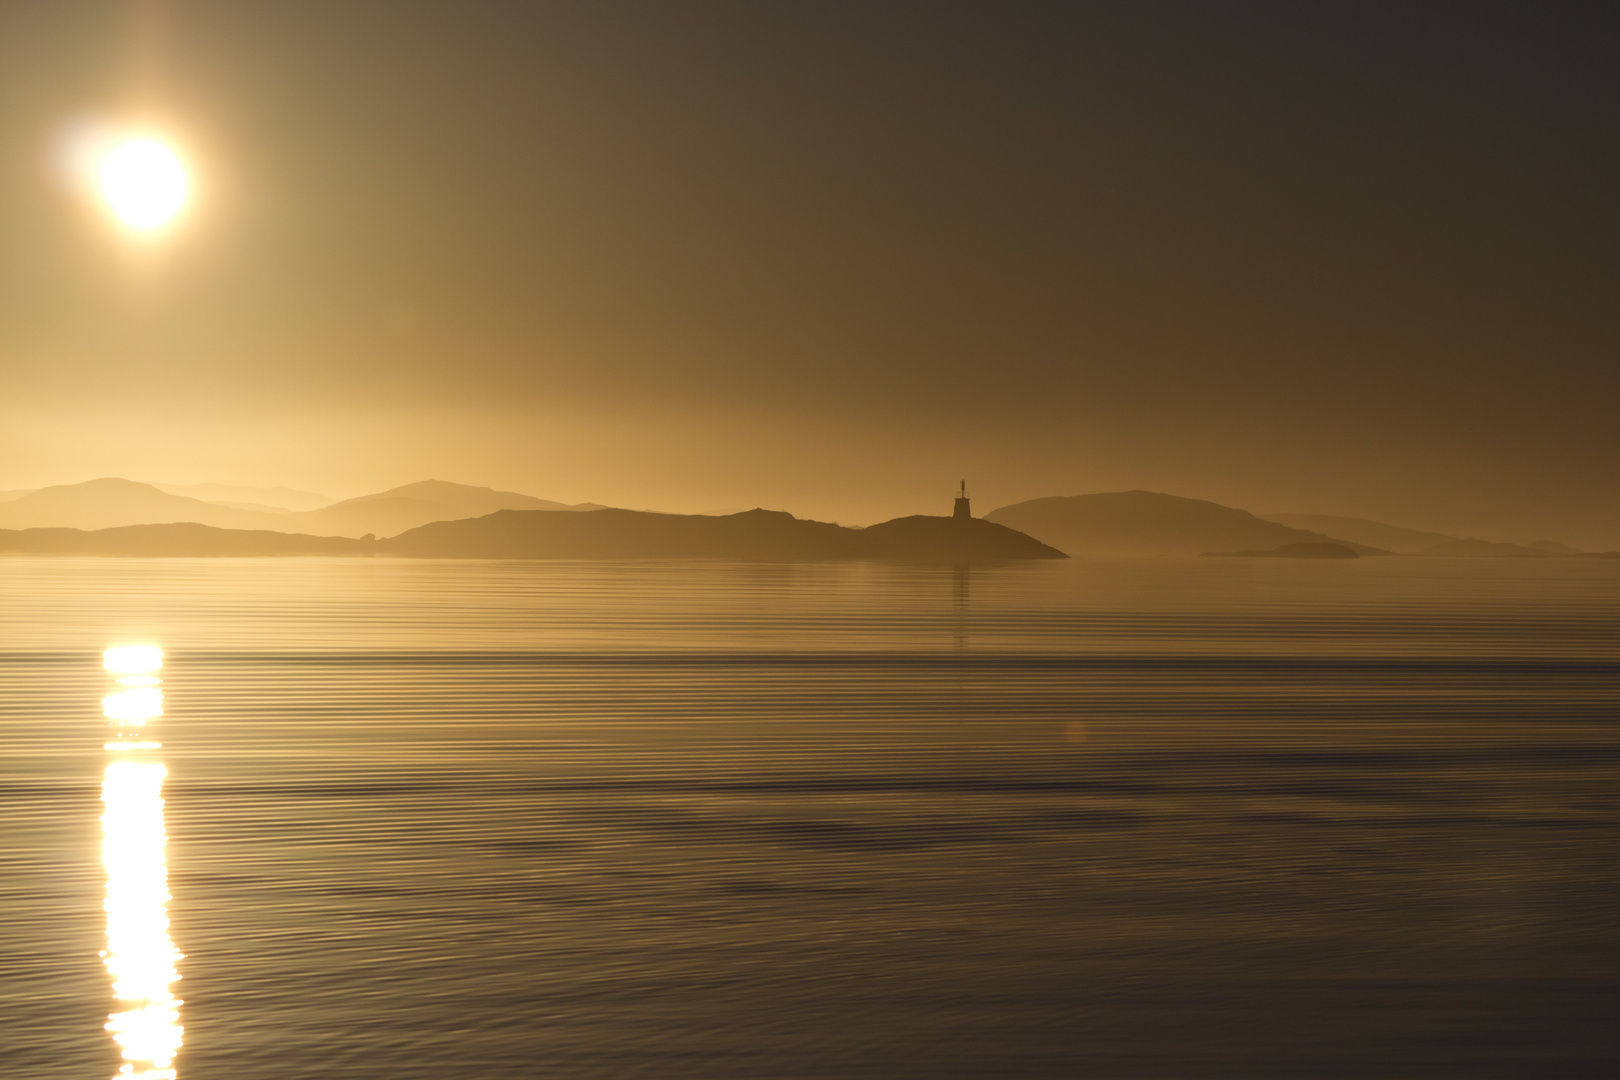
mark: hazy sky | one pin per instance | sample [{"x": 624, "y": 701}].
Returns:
[{"x": 1355, "y": 258}]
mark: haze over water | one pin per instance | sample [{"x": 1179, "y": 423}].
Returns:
[{"x": 1116, "y": 818}]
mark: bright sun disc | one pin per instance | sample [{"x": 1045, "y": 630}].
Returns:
[{"x": 144, "y": 183}]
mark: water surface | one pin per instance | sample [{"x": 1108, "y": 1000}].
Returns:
[{"x": 1158, "y": 818}]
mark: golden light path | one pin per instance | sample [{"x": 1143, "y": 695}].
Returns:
[{"x": 140, "y": 956}]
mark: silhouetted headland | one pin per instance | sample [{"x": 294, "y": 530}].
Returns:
[
  {"x": 1401, "y": 541},
  {"x": 390, "y": 512},
  {"x": 1293, "y": 551},
  {"x": 110, "y": 502},
  {"x": 1112, "y": 523},
  {"x": 764, "y": 535},
  {"x": 1474, "y": 548},
  {"x": 1150, "y": 523},
  {"x": 177, "y": 540},
  {"x": 755, "y": 535}
]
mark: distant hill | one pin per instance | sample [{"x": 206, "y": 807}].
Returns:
[
  {"x": 1150, "y": 523},
  {"x": 1362, "y": 531},
  {"x": 1294, "y": 551},
  {"x": 1487, "y": 549},
  {"x": 262, "y": 508},
  {"x": 391, "y": 512},
  {"x": 1416, "y": 542},
  {"x": 1125, "y": 522},
  {"x": 757, "y": 535},
  {"x": 174, "y": 541},
  {"x": 941, "y": 539},
  {"x": 278, "y": 499},
  {"x": 765, "y": 535},
  {"x": 110, "y": 502}
]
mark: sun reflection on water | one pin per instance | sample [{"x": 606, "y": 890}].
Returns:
[
  {"x": 133, "y": 706},
  {"x": 132, "y": 659},
  {"x": 140, "y": 956}
]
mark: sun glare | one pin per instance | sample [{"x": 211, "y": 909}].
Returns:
[
  {"x": 144, "y": 183},
  {"x": 132, "y": 659},
  {"x": 133, "y": 706}
]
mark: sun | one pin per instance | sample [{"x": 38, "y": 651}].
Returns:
[{"x": 144, "y": 183}]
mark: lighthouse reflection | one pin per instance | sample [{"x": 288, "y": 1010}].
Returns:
[{"x": 140, "y": 956}]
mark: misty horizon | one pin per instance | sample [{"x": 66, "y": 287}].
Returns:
[
  {"x": 245, "y": 498},
  {"x": 1061, "y": 251}
]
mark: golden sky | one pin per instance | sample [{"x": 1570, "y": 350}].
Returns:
[{"x": 830, "y": 257}]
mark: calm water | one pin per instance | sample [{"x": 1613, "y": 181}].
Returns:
[{"x": 1200, "y": 818}]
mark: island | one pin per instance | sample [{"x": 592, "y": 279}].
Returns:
[{"x": 754, "y": 535}]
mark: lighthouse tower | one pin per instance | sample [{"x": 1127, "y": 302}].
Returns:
[{"x": 962, "y": 511}]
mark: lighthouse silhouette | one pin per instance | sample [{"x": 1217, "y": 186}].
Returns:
[{"x": 962, "y": 511}]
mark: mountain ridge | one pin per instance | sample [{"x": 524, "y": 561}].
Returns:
[
  {"x": 766, "y": 535},
  {"x": 1130, "y": 522},
  {"x": 754, "y": 535},
  {"x": 1396, "y": 538},
  {"x": 281, "y": 499},
  {"x": 1152, "y": 523},
  {"x": 111, "y": 502}
]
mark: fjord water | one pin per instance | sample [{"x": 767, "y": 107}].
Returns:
[{"x": 1155, "y": 818}]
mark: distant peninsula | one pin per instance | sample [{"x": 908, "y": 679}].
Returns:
[
  {"x": 754, "y": 535},
  {"x": 436, "y": 518},
  {"x": 1136, "y": 523},
  {"x": 1307, "y": 550},
  {"x": 110, "y": 502},
  {"x": 1152, "y": 523},
  {"x": 761, "y": 535},
  {"x": 177, "y": 540}
]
